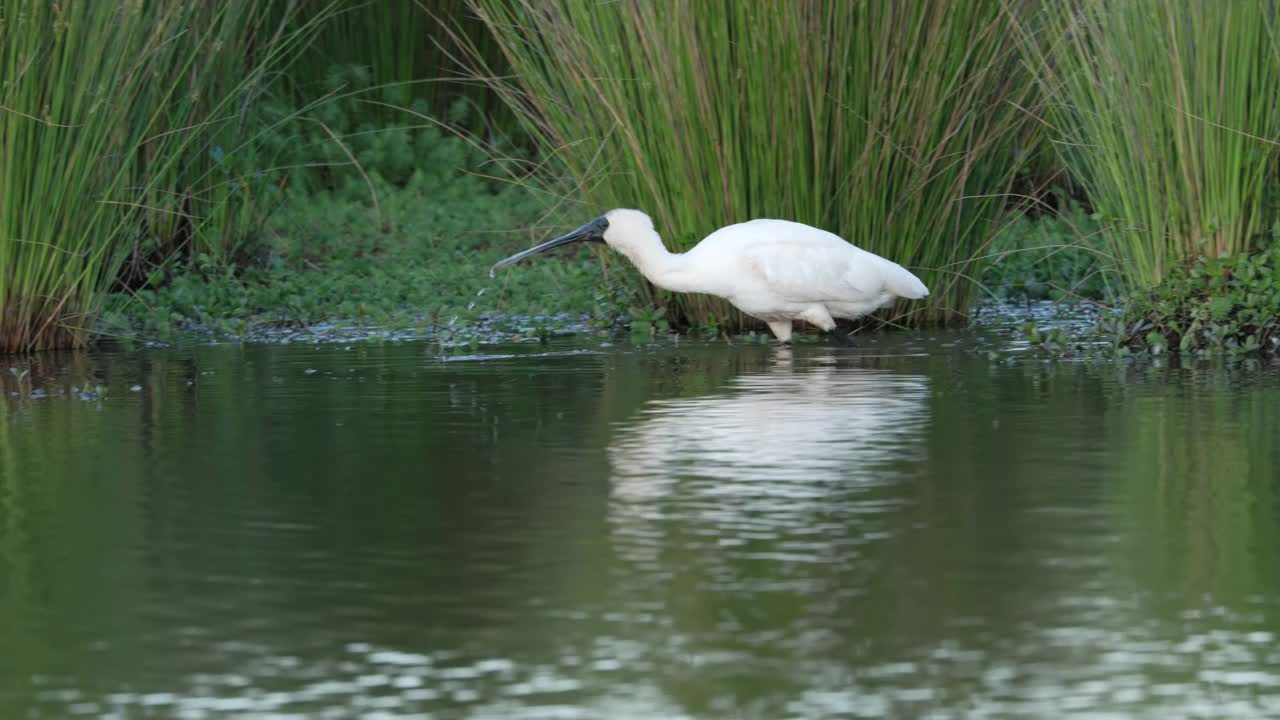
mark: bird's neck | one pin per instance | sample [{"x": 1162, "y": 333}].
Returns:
[{"x": 667, "y": 270}]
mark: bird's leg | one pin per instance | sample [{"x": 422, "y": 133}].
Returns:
[
  {"x": 818, "y": 316},
  {"x": 781, "y": 329}
]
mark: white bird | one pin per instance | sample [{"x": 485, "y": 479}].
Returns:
[{"x": 775, "y": 270}]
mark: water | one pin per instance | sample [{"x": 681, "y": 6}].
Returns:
[{"x": 906, "y": 528}]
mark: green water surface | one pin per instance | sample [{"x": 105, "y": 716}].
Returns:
[{"x": 906, "y": 528}]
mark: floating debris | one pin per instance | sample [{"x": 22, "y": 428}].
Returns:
[
  {"x": 474, "y": 358},
  {"x": 95, "y": 393},
  {"x": 449, "y": 331},
  {"x": 511, "y": 356}
]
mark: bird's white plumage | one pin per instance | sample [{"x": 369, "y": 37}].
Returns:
[{"x": 776, "y": 270}]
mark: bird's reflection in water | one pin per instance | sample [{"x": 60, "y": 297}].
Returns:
[{"x": 768, "y": 455}]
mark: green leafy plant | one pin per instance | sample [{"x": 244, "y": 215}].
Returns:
[
  {"x": 648, "y": 322},
  {"x": 326, "y": 260},
  {"x": 1056, "y": 341},
  {"x": 1212, "y": 307},
  {"x": 709, "y": 328},
  {"x": 1061, "y": 256},
  {"x": 338, "y": 144}
]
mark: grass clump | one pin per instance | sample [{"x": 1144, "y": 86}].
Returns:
[
  {"x": 895, "y": 125},
  {"x": 1165, "y": 113},
  {"x": 113, "y": 118},
  {"x": 139, "y": 140}
]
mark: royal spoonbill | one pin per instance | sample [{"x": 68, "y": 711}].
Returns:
[{"x": 775, "y": 270}]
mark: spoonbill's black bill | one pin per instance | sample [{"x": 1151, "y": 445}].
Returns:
[{"x": 591, "y": 232}]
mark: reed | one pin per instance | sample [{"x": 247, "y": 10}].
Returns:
[
  {"x": 112, "y": 118},
  {"x": 898, "y": 126},
  {"x": 1165, "y": 112}
]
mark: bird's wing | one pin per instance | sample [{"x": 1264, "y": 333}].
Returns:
[{"x": 803, "y": 264}]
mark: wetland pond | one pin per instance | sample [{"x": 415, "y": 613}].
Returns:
[{"x": 906, "y": 528}]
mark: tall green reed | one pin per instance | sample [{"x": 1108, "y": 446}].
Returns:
[
  {"x": 895, "y": 125},
  {"x": 1166, "y": 113},
  {"x": 111, "y": 119}
]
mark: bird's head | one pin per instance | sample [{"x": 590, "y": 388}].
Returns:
[{"x": 621, "y": 229}]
